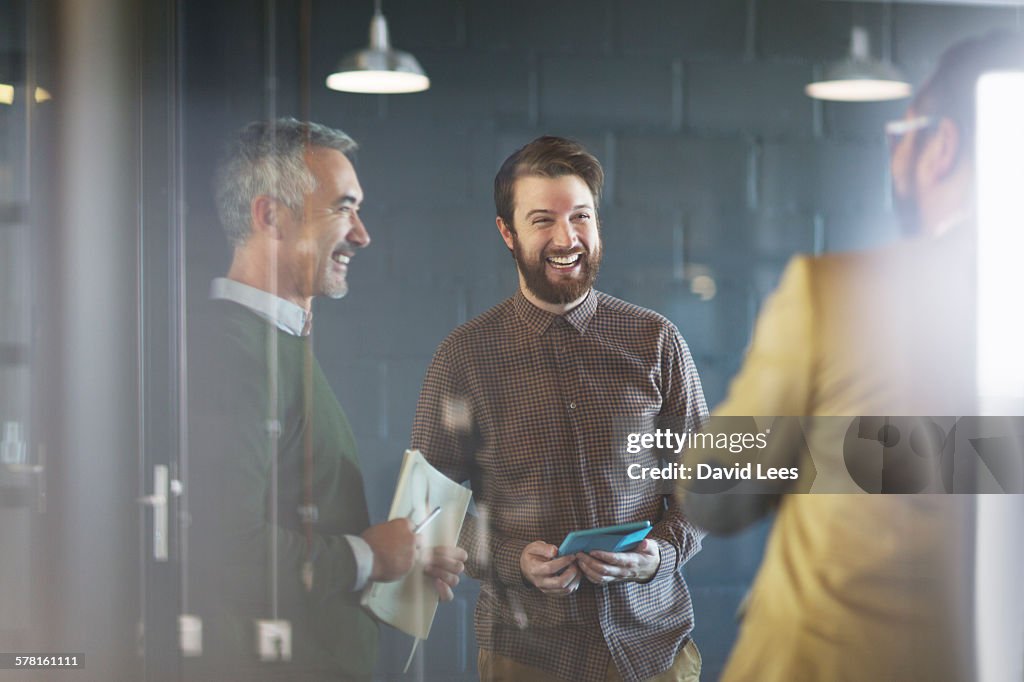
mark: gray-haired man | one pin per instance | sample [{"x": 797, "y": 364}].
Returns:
[{"x": 280, "y": 516}]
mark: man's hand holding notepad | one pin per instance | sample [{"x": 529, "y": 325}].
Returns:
[{"x": 434, "y": 508}]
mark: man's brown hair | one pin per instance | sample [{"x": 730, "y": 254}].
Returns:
[
  {"x": 546, "y": 157},
  {"x": 950, "y": 90}
]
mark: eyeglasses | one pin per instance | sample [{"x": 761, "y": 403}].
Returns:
[{"x": 895, "y": 130}]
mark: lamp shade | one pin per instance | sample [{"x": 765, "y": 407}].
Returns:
[
  {"x": 378, "y": 69},
  {"x": 7, "y": 94},
  {"x": 860, "y": 81},
  {"x": 860, "y": 78}
]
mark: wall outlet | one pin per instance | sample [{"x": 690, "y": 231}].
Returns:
[
  {"x": 274, "y": 640},
  {"x": 190, "y": 635}
]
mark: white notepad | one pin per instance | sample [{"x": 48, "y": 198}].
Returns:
[{"x": 409, "y": 604}]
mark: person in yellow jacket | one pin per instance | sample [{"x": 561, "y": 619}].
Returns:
[{"x": 857, "y": 586}]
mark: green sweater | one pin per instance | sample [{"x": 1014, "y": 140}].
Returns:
[{"x": 233, "y": 439}]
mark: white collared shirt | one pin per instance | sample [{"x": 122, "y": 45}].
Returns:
[
  {"x": 296, "y": 321},
  {"x": 283, "y": 314}
]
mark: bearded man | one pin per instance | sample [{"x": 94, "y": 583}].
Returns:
[
  {"x": 523, "y": 403},
  {"x": 873, "y": 587}
]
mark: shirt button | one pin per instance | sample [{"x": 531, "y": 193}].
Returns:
[{"x": 572, "y": 406}]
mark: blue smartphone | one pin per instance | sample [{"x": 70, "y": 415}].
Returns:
[{"x": 622, "y": 538}]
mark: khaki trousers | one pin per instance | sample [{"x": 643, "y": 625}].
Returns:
[{"x": 497, "y": 668}]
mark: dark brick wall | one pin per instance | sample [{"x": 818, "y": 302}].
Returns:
[{"x": 717, "y": 164}]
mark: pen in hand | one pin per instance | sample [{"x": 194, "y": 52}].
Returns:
[{"x": 430, "y": 517}]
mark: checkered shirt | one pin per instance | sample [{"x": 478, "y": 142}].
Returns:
[{"x": 531, "y": 408}]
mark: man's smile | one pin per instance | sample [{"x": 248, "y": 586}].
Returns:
[{"x": 565, "y": 263}]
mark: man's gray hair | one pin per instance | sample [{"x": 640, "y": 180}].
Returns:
[{"x": 268, "y": 157}]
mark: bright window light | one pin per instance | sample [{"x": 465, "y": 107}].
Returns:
[
  {"x": 1000, "y": 159},
  {"x": 999, "y": 593},
  {"x": 999, "y": 609}
]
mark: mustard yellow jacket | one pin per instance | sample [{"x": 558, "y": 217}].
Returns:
[{"x": 857, "y": 586}]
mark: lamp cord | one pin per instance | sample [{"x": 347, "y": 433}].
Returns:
[{"x": 887, "y": 32}]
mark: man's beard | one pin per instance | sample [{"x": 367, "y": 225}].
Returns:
[
  {"x": 336, "y": 291},
  {"x": 906, "y": 206},
  {"x": 558, "y": 293},
  {"x": 907, "y": 211},
  {"x": 332, "y": 288}
]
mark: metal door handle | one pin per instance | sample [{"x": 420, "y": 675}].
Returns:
[{"x": 158, "y": 501}]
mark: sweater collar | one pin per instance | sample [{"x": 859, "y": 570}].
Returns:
[{"x": 285, "y": 315}]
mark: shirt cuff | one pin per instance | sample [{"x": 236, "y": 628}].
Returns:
[
  {"x": 669, "y": 560},
  {"x": 364, "y": 561},
  {"x": 507, "y": 555}
]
